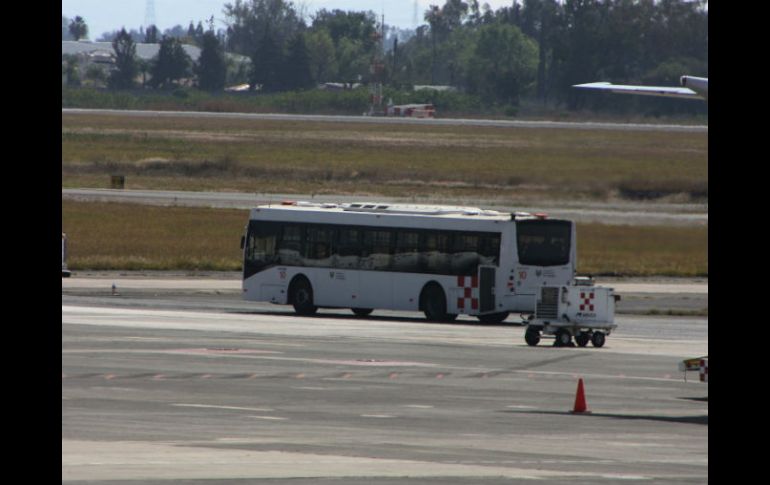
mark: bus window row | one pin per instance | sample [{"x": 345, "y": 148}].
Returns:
[{"x": 369, "y": 248}]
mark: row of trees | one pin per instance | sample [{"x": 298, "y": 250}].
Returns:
[
  {"x": 533, "y": 48},
  {"x": 563, "y": 43},
  {"x": 170, "y": 65}
]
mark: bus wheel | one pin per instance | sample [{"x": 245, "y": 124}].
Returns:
[
  {"x": 493, "y": 317},
  {"x": 362, "y": 312},
  {"x": 532, "y": 336},
  {"x": 433, "y": 304},
  {"x": 598, "y": 339},
  {"x": 301, "y": 293},
  {"x": 582, "y": 338}
]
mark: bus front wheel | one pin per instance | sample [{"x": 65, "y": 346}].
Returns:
[{"x": 302, "y": 297}]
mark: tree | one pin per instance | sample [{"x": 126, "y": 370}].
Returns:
[
  {"x": 171, "y": 64},
  {"x": 211, "y": 67},
  {"x": 266, "y": 65},
  {"x": 322, "y": 56},
  {"x": 65, "y": 28},
  {"x": 126, "y": 67},
  {"x": 504, "y": 64},
  {"x": 151, "y": 35},
  {"x": 297, "y": 69},
  {"x": 354, "y": 26},
  {"x": 72, "y": 71},
  {"x": 250, "y": 21},
  {"x": 78, "y": 28}
]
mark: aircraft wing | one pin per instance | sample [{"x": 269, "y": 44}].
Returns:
[{"x": 670, "y": 92}]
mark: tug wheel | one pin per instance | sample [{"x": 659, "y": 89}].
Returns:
[
  {"x": 598, "y": 339},
  {"x": 532, "y": 336},
  {"x": 563, "y": 338},
  {"x": 582, "y": 338}
]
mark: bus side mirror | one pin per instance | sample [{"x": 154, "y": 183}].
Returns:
[{"x": 243, "y": 241}]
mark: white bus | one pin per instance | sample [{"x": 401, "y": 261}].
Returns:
[{"x": 441, "y": 260}]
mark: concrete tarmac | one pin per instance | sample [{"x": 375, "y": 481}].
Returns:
[
  {"x": 156, "y": 387},
  {"x": 568, "y": 125},
  {"x": 678, "y": 296}
]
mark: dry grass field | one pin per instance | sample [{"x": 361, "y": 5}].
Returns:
[
  {"x": 139, "y": 237},
  {"x": 390, "y": 160},
  {"x": 509, "y": 164}
]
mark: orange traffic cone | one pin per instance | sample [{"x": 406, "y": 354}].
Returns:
[{"x": 580, "y": 399}]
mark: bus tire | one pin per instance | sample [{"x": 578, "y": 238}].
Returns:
[
  {"x": 493, "y": 317},
  {"x": 433, "y": 304},
  {"x": 362, "y": 312},
  {"x": 563, "y": 338},
  {"x": 582, "y": 338},
  {"x": 598, "y": 339},
  {"x": 532, "y": 336},
  {"x": 301, "y": 296}
]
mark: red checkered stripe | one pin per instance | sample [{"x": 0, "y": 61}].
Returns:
[
  {"x": 470, "y": 292},
  {"x": 587, "y": 300},
  {"x": 704, "y": 370}
]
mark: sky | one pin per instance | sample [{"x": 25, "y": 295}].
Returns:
[{"x": 108, "y": 15}]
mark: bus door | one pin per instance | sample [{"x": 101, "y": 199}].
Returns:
[{"x": 486, "y": 288}]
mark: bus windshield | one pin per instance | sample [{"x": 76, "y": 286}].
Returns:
[{"x": 544, "y": 242}]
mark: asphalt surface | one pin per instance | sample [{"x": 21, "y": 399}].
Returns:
[
  {"x": 393, "y": 120},
  {"x": 195, "y": 386},
  {"x": 640, "y": 296}
]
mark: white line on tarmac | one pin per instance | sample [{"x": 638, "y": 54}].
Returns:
[{"x": 209, "y": 406}]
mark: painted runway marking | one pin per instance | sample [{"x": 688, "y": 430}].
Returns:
[
  {"x": 378, "y": 416},
  {"x": 211, "y": 406}
]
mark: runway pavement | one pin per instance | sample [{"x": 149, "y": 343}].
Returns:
[
  {"x": 393, "y": 120},
  {"x": 167, "y": 385},
  {"x": 682, "y": 296}
]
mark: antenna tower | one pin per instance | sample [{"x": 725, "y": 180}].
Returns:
[
  {"x": 149, "y": 14},
  {"x": 414, "y": 15}
]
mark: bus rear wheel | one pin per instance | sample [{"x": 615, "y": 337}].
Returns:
[
  {"x": 433, "y": 304},
  {"x": 301, "y": 293},
  {"x": 362, "y": 312}
]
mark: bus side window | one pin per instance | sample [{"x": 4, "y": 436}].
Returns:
[
  {"x": 290, "y": 245},
  {"x": 465, "y": 254},
  {"x": 407, "y": 255},
  {"x": 348, "y": 250},
  {"x": 318, "y": 246},
  {"x": 376, "y": 249},
  {"x": 489, "y": 249},
  {"x": 434, "y": 253}
]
